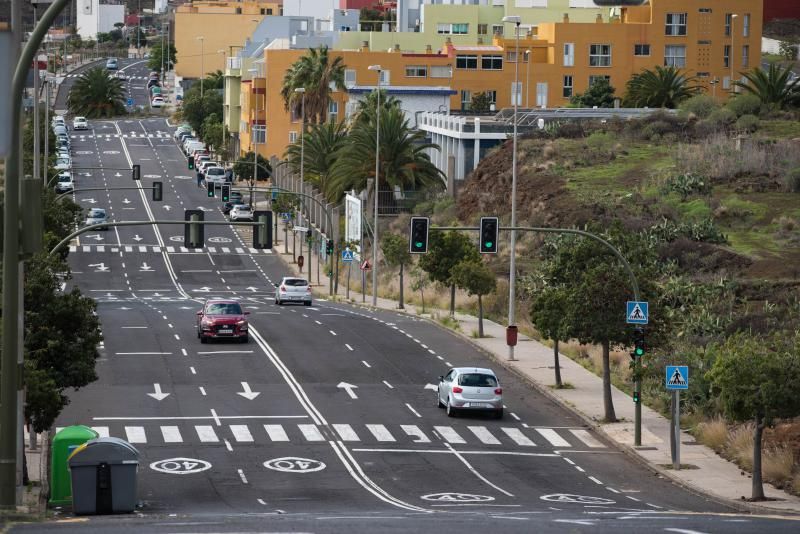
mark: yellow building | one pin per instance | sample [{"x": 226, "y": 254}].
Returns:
[
  {"x": 204, "y": 32},
  {"x": 557, "y": 61}
]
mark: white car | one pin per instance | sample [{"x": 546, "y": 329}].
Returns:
[
  {"x": 121, "y": 75},
  {"x": 214, "y": 174},
  {"x": 80, "y": 123},
  {"x": 470, "y": 389},
  {"x": 157, "y": 102},
  {"x": 63, "y": 164},
  {"x": 241, "y": 213},
  {"x": 293, "y": 289},
  {"x": 65, "y": 183}
]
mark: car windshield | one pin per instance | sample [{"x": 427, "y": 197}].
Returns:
[
  {"x": 65, "y": 178},
  {"x": 297, "y": 282},
  {"x": 224, "y": 308},
  {"x": 97, "y": 213},
  {"x": 476, "y": 380}
]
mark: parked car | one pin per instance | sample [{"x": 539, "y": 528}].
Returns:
[
  {"x": 204, "y": 165},
  {"x": 65, "y": 183},
  {"x": 63, "y": 153},
  {"x": 228, "y": 206},
  {"x": 80, "y": 123},
  {"x": 63, "y": 164},
  {"x": 97, "y": 216},
  {"x": 241, "y": 213},
  {"x": 470, "y": 388},
  {"x": 182, "y": 129},
  {"x": 221, "y": 319},
  {"x": 60, "y": 129},
  {"x": 157, "y": 102},
  {"x": 58, "y": 120},
  {"x": 293, "y": 289},
  {"x": 111, "y": 64}
]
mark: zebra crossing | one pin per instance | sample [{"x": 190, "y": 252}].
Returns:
[
  {"x": 469, "y": 435},
  {"x": 171, "y": 250},
  {"x": 131, "y": 135}
]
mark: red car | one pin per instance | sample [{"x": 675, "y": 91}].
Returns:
[{"x": 222, "y": 319}]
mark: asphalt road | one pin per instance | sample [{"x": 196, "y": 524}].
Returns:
[{"x": 269, "y": 436}]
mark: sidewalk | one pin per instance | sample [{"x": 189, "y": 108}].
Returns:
[{"x": 714, "y": 476}]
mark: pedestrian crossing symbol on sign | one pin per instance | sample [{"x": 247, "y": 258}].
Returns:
[
  {"x": 677, "y": 377},
  {"x": 347, "y": 255},
  {"x": 637, "y": 312}
]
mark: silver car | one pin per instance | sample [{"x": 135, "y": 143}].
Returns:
[
  {"x": 97, "y": 216},
  {"x": 470, "y": 388},
  {"x": 292, "y": 289}
]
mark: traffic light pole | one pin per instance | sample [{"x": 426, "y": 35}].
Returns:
[{"x": 637, "y": 383}]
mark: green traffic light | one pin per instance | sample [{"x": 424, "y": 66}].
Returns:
[
  {"x": 488, "y": 244},
  {"x": 639, "y": 351}
]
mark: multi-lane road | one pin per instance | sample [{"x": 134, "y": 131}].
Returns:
[{"x": 325, "y": 421}]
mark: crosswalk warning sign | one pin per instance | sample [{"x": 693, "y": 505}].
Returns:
[
  {"x": 677, "y": 377},
  {"x": 347, "y": 255},
  {"x": 637, "y": 312}
]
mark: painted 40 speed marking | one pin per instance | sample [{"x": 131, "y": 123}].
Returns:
[
  {"x": 291, "y": 464},
  {"x": 180, "y": 466}
]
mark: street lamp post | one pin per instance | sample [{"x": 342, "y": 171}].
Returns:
[
  {"x": 732, "y": 55},
  {"x": 253, "y": 139},
  {"x": 512, "y": 275},
  {"x": 302, "y": 92},
  {"x": 202, "y": 67},
  {"x": 379, "y": 70},
  {"x": 527, "y": 76}
]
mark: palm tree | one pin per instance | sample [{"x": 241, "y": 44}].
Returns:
[
  {"x": 96, "y": 94},
  {"x": 365, "y": 111},
  {"x": 316, "y": 72},
  {"x": 774, "y": 87},
  {"x": 323, "y": 143},
  {"x": 666, "y": 87},
  {"x": 403, "y": 160},
  {"x": 215, "y": 80}
]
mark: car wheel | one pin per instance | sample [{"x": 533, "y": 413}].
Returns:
[
  {"x": 307, "y": 303},
  {"x": 203, "y": 339},
  {"x": 438, "y": 400},
  {"x": 498, "y": 414},
  {"x": 245, "y": 339},
  {"x": 451, "y": 412}
]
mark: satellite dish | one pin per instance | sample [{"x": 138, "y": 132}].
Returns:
[{"x": 619, "y": 3}]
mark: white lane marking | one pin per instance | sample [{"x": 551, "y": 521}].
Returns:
[
  {"x": 520, "y": 438},
  {"x": 132, "y": 327},
  {"x": 183, "y": 351},
  {"x": 177, "y": 337},
  {"x": 612, "y": 490},
  {"x": 276, "y": 433},
  {"x": 192, "y": 370},
  {"x": 586, "y": 438},
  {"x": 311, "y": 432},
  {"x": 423, "y": 345},
  {"x": 135, "y": 434},
  {"x": 470, "y": 453},
  {"x": 142, "y": 353},
  {"x": 202, "y": 391},
  {"x": 388, "y": 385},
  {"x": 570, "y": 462},
  {"x": 515, "y": 416},
  {"x": 593, "y": 479},
  {"x": 415, "y": 432},
  {"x": 432, "y": 351},
  {"x": 380, "y": 432},
  {"x": 441, "y": 357},
  {"x": 227, "y": 352},
  {"x": 241, "y": 475},
  {"x": 206, "y": 434},
  {"x": 332, "y": 332},
  {"x": 684, "y": 531},
  {"x": 654, "y": 506},
  {"x": 216, "y": 418},
  {"x": 483, "y": 434},
  {"x": 550, "y": 435},
  {"x": 632, "y": 498},
  {"x": 304, "y": 315},
  {"x": 346, "y": 432},
  {"x": 171, "y": 434},
  {"x": 365, "y": 363},
  {"x": 261, "y": 501},
  {"x": 475, "y": 471},
  {"x": 449, "y": 435},
  {"x": 228, "y": 445},
  {"x": 241, "y": 433},
  {"x": 170, "y": 325},
  {"x": 579, "y": 468},
  {"x": 348, "y": 346},
  {"x": 415, "y": 412}
]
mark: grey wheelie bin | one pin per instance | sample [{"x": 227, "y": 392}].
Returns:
[{"x": 104, "y": 472}]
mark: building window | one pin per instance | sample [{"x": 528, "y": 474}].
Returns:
[
  {"x": 259, "y": 133},
  {"x": 746, "y": 25},
  {"x": 567, "y": 91},
  {"x": 675, "y": 56},
  {"x": 726, "y": 82},
  {"x": 511, "y": 57},
  {"x": 745, "y": 56},
  {"x": 466, "y": 99},
  {"x": 441, "y": 71},
  {"x": 641, "y": 50},
  {"x": 726, "y": 56},
  {"x": 703, "y": 74},
  {"x": 492, "y": 62},
  {"x": 497, "y": 29},
  {"x": 416, "y": 71},
  {"x": 269, "y": 11},
  {"x": 492, "y": 96},
  {"x": 593, "y": 79},
  {"x": 728, "y": 19},
  {"x": 292, "y": 137},
  {"x": 483, "y": 29},
  {"x": 599, "y": 55},
  {"x": 460, "y": 28},
  {"x": 466, "y": 62},
  {"x": 676, "y": 24},
  {"x": 349, "y": 77},
  {"x": 333, "y": 111},
  {"x": 384, "y": 77},
  {"x": 705, "y": 10},
  {"x": 569, "y": 54}
]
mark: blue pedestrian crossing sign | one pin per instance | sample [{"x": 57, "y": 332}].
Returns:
[
  {"x": 677, "y": 377},
  {"x": 637, "y": 312},
  {"x": 286, "y": 216},
  {"x": 347, "y": 255},
  {"x": 130, "y": 102}
]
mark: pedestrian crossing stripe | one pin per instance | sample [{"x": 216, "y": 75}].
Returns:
[
  {"x": 561, "y": 438},
  {"x": 132, "y": 135},
  {"x": 170, "y": 250}
]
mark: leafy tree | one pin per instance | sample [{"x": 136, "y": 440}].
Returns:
[
  {"x": 757, "y": 381},
  {"x": 663, "y": 87},
  {"x": 548, "y": 313},
  {"x": 773, "y": 87},
  {"x": 156, "y": 53},
  {"x": 96, "y": 94},
  {"x": 316, "y": 72},
  {"x": 477, "y": 279},
  {"x": 419, "y": 281},
  {"x": 403, "y": 155},
  {"x": 195, "y": 108},
  {"x": 141, "y": 42},
  {"x": 27, "y": 140},
  {"x": 243, "y": 167},
  {"x": 213, "y": 132},
  {"x": 480, "y": 102},
  {"x": 396, "y": 253},
  {"x": 445, "y": 251},
  {"x": 214, "y": 80},
  {"x": 600, "y": 94},
  {"x": 103, "y": 37},
  {"x": 115, "y": 35},
  {"x": 365, "y": 111},
  {"x": 322, "y": 145},
  {"x": 788, "y": 50}
]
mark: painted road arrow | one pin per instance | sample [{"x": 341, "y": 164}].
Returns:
[
  {"x": 251, "y": 288},
  {"x": 431, "y": 386},
  {"x": 247, "y": 393},
  {"x": 101, "y": 267},
  {"x": 167, "y": 207},
  {"x": 137, "y": 238},
  {"x": 145, "y": 267},
  {"x": 126, "y": 201},
  {"x": 158, "y": 395},
  {"x": 349, "y": 389},
  {"x": 203, "y": 289},
  {"x": 90, "y": 200},
  {"x": 96, "y": 237}
]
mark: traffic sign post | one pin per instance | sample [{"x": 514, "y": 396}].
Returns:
[{"x": 677, "y": 378}]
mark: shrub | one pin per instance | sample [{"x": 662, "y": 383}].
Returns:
[
  {"x": 744, "y": 104},
  {"x": 740, "y": 445},
  {"x": 792, "y": 179},
  {"x": 747, "y": 123},
  {"x": 713, "y": 433},
  {"x": 796, "y": 484},
  {"x": 776, "y": 465},
  {"x": 686, "y": 184},
  {"x": 700, "y": 105},
  {"x": 722, "y": 118}
]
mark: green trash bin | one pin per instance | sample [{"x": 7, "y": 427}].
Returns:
[
  {"x": 64, "y": 443},
  {"x": 104, "y": 472}
]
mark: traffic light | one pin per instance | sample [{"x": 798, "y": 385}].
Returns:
[
  {"x": 193, "y": 233},
  {"x": 638, "y": 344},
  {"x": 210, "y": 186},
  {"x": 329, "y": 247},
  {"x": 419, "y": 235},
  {"x": 309, "y": 234},
  {"x": 158, "y": 191},
  {"x": 191, "y": 162},
  {"x": 137, "y": 172},
  {"x": 226, "y": 192},
  {"x": 262, "y": 233},
  {"x": 489, "y": 230},
  {"x": 636, "y": 397}
]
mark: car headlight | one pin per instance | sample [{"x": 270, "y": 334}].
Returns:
[{"x": 242, "y": 322}]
